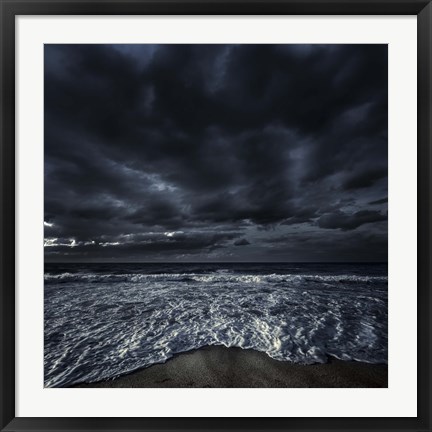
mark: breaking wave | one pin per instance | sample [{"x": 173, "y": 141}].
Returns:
[
  {"x": 99, "y": 325},
  {"x": 210, "y": 277}
]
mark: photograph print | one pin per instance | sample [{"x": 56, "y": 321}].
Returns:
[{"x": 215, "y": 215}]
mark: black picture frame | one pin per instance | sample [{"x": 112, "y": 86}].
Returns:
[{"x": 9, "y": 9}]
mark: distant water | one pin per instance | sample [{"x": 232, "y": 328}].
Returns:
[{"x": 105, "y": 320}]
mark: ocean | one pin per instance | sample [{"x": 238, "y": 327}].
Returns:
[{"x": 105, "y": 320}]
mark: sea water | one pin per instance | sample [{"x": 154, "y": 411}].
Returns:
[{"x": 105, "y": 320}]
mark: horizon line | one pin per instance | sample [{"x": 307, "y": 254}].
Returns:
[{"x": 215, "y": 262}]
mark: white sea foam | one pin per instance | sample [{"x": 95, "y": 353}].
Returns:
[
  {"x": 219, "y": 276},
  {"x": 99, "y": 326}
]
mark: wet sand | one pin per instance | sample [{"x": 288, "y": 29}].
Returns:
[{"x": 220, "y": 367}]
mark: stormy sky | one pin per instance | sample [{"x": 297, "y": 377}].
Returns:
[{"x": 215, "y": 153}]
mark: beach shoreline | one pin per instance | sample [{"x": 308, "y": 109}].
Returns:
[{"x": 221, "y": 367}]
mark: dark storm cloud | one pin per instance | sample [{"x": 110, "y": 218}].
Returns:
[
  {"x": 365, "y": 179},
  {"x": 186, "y": 150},
  {"x": 150, "y": 245},
  {"x": 350, "y": 221},
  {"x": 241, "y": 242},
  {"x": 306, "y": 214},
  {"x": 380, "y": 201},
  {"x": 334, "y": 245}
]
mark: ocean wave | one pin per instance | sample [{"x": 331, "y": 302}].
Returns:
[
  {"x": 211, "y": 277},
  {"x": 96, "y": 331}
]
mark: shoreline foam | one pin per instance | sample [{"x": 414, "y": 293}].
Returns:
[{"x": 221, "y": 367}]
